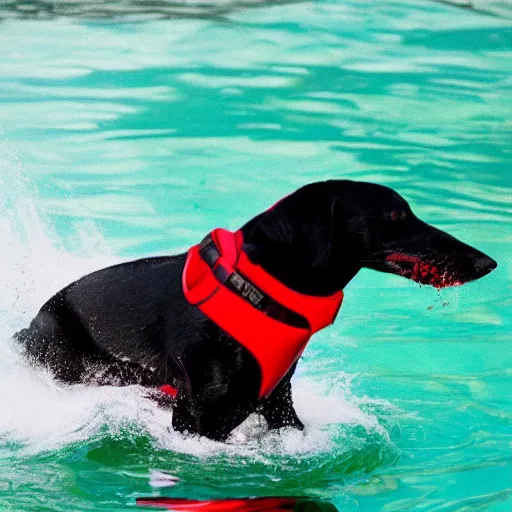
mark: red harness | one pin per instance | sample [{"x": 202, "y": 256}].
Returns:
[{"x": 273, "y": 322}]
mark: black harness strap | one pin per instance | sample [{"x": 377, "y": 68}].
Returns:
[{"x": 244, "y": 288}]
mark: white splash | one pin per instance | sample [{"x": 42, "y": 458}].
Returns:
[{"x": 159, "y": 478}]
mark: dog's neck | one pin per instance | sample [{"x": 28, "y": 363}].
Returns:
[{"x": 298, "y": 263}]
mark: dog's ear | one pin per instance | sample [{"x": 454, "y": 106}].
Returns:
[
  {"x": 348, "y": 229},
  {"x": 275, "y": 227},
  {"x": 268, "y": 233}
]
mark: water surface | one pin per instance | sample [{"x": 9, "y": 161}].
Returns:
[{"x": 120, "y": 140}]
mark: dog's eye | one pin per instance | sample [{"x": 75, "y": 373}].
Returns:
[{"x": 394, "y": 215}]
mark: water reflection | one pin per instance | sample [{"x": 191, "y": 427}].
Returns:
[
  {"x": 496, "y": 7},
  {"x": 275, "y": 504},
  {"x": 138, "y": 10},
  {"x": 125, "y": 10}
]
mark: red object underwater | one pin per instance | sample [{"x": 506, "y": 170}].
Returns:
[{"x": 238, "y": 504}]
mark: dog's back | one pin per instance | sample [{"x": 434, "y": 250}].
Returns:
[{"x": 126, "y": 315}]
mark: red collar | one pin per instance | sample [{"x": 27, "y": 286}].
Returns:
[{"x": 269, "y": 319}]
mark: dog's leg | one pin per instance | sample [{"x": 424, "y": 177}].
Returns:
[
  {"x": 212, "y": 420},
  {"x": 278, "y": 409},
  {"x": 185, "y": 418}
]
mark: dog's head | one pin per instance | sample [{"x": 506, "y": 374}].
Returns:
[
  {"x": 388, "y": 237},
  {"x": 332, "y": 229}
]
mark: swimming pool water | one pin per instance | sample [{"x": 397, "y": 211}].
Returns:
[{"x": 125, "y": 139}]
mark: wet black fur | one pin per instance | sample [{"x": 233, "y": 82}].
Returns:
[{"x": 130, "y": 323}]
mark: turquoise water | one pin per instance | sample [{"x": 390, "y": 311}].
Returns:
[{"x": 120, "y": 140}]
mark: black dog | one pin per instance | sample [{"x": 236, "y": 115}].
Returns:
[{"x": 131, "y": 324}]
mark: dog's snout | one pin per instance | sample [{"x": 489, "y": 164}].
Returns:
[{"x": 483, "y": 265}]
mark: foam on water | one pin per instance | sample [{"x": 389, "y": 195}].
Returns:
[{"x": 42, "y": 414}]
